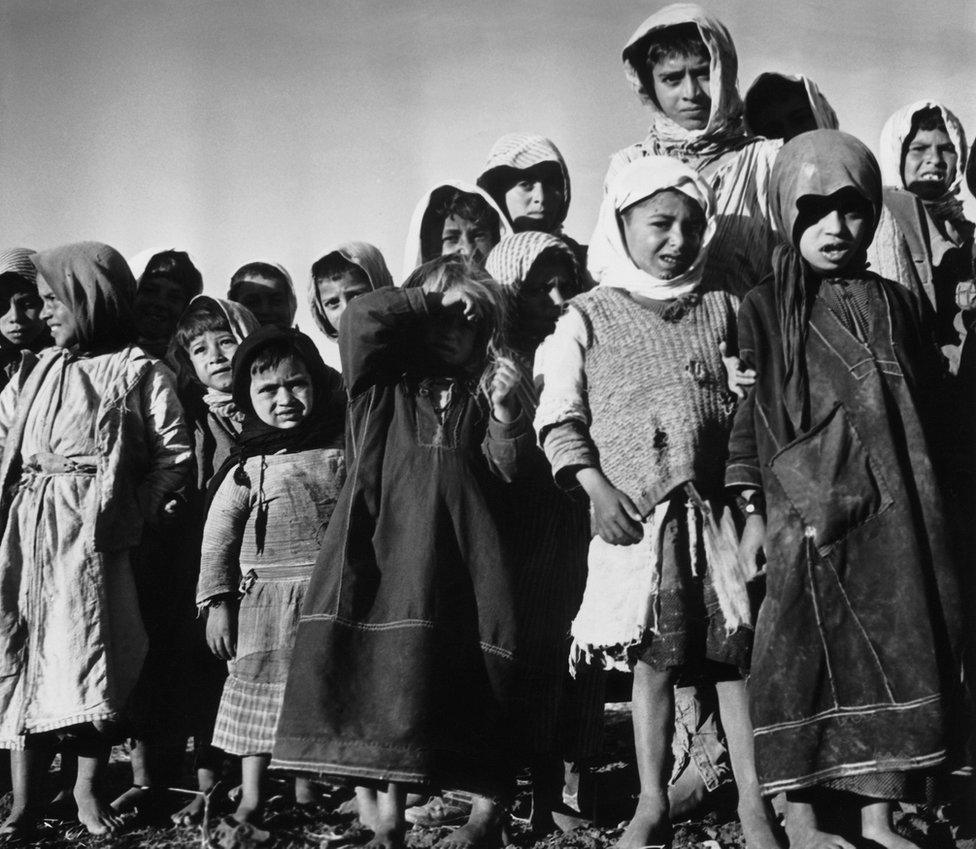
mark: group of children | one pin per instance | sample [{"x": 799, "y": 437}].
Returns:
[{"x": 718, "y": 448}]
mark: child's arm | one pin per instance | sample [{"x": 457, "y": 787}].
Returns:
[
  {"x": 563, "y": 423},
  {"x": 168, "y": 441},
  {"x": 220, "y": 572},
  {"x": 378, "y": 333}
]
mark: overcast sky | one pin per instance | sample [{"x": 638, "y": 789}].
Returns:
[{"x": 242, "y": 130}]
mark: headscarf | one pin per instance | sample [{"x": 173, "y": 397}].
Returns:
[
  {"x": 140, "y": 262},
  {"x": 817, "y": 163},
  {"x": 413, "y": 251},
  {"x": 240, "y": 321},
  {"x": 725, "y": 129},
  {"x": 518, "y": 152},
  {"x": 289, "y": 283},
  {"x": 895, "y": 133},
  {"x": 610, "y": 262},
  {"x": 512, "y": 258},
  {"x": 823, "y": 112},
  {"x": 94, "y": 281},
  {"x": 363, "y": 255},
  {"x": 324, "y": 427},
  {"x": 18, "y": 261}
]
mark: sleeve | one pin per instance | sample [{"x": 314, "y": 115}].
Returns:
[
  {"x": 223, "y": 533},
  {"x": 167, "y": 438},
  {"x": 563, "y": 418},
  {"x": 509, "y": 447},
  {"x": 742, "y": 468},
  {"x": 379, "y": 331}
]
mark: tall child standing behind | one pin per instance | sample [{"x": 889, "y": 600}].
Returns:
[
  {"x": 636, "y": 409},
  {"x": 273, "y": 500}
]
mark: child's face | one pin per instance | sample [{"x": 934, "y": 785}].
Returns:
[
  {"x": 159, "y": 303},
  {"x": 786, "y": 116},
  {"x": 930, "y": 164},
  {"x": 534, "y": 202},
  {"x": 452, "y": 338},
  {"x": 681, "y": 89},
  {"x": 282, "y": 396},
  {"x": 663, "y": 233},
  {"x": 468, "y": 238},
  {"x": 542, "y": 296},
  {"x": 20, "y": 317},
  {"x": 833, "y": 230},
  {"x": 211, "y": 353},
  {"x": 335, "y": 293},
  {"x": 268, "y": 299},
  {"x": 60, "y": 320}
]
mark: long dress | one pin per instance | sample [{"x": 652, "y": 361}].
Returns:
[
  {"x": 83, "y": 638},
  {"x": 402, "y": 662},
  {"x": 854, "y": 678}
]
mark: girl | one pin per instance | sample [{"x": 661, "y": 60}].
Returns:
[
  {"x": 636, "y": 410},
  {"x": 271, "y": 504},
  {"x": 349, "y": 270},
  {"x": 454, "y": 218},
  {"x": 854, "y": 673},
  {"x": 21, "y": 325},
  {"x": 548, "y": 534},
  {"x": 400, "y": 672},
  {"x": 924, "y": 240},
  {"x": 781, "y": 106},
  {"x": 683, "y": 66},
  {"x": 265, "y": 288},
  {"x": 93, "y": 445}
]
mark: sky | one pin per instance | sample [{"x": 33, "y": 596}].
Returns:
[{"x": 241, "y": 130}]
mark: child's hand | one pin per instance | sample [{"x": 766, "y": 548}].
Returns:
[
  {"x": 504, "y": 403},
  {"x": 738, "y": 376},
  {"x": 753, "y": 537},
  {"x": 462, "y": 302},
  {"x": 615, "y": 518},
  {"x": 222, "y": 629}
]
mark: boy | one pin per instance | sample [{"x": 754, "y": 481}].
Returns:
[{"x": 267, "y": 291}]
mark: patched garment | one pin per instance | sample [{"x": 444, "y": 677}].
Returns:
[{"x": 262, "y": 537}]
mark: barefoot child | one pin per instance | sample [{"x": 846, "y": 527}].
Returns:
[
  {"x": 854, "y": 673},
  {"x": 265, "y": 288},
  {"x": 273, "y": 500},
  {"x": 400, "y": 673},
  {"x": 636, "y": 410},
  {"x": 21, "y": 325},
  {"x": 93, "y": 444}
]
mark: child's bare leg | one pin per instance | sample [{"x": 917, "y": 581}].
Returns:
[
  {"x": 27, "y": 767},
  {"x": 803, "y": 828},
  {"x": 251, "y": 806},
  {"x": 755, "y": 813},
  {"x": 93, "y": 813},
  {"x": 652, "y": 711},
  {"x": 306, "y": 793},
  {"x": 390, "y": 826},
  {"x": 132, "y": 797},
  {"x": 484, "y": 827},
  {"x": 876, "y": 825},
  {"x": 367, "y": 807}
]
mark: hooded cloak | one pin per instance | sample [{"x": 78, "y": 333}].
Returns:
[{"x": 363, "y": 255}]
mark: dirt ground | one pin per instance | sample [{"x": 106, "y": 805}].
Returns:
[{"x": 614, "y": 789}]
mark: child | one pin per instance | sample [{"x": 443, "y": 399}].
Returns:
[
  {"x": 21, "y": 325},
  {"x": 548, "y": 534},
  {"x": 400, "y": 672},
  {"x": 93, "y": 444},
  {"x": 164, "y": 287},
  {"x": 272, "y": 502},
  {"x": 266, "y": 289},
  {"x": 451, "y": 218},
  {"x": 924, "y": 240},
  {"x": 854, "y": 672},
  {"x": 636, "y": 410},
  {"x": 344, "y": 273},
  {"x": 781, "y": 106}
]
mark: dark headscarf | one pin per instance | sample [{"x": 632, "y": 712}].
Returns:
[
  {"x": 819, "y": 163},
  {"x": 94, "y": 281},
  {"x": 323, "y": 428}
]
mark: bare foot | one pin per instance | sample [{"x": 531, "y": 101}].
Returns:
[
  {"x": 804, "y": 832},
  {"x": 759, "y": 826},
  {"x": 484, "y": 828},
  {"x": 97, "y": 817},
  {"x": 248, "y": 813},
  {"x": 886, "y": 836},
  {"x": 387, "y": 837},
  {"x": 650, "y": 825},
  {"x": 191, "y": 813}
]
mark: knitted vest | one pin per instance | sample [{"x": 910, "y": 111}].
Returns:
[{"x": 658, "y": 395}]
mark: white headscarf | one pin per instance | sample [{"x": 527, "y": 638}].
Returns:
[{"x": 609, "y": 261}]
